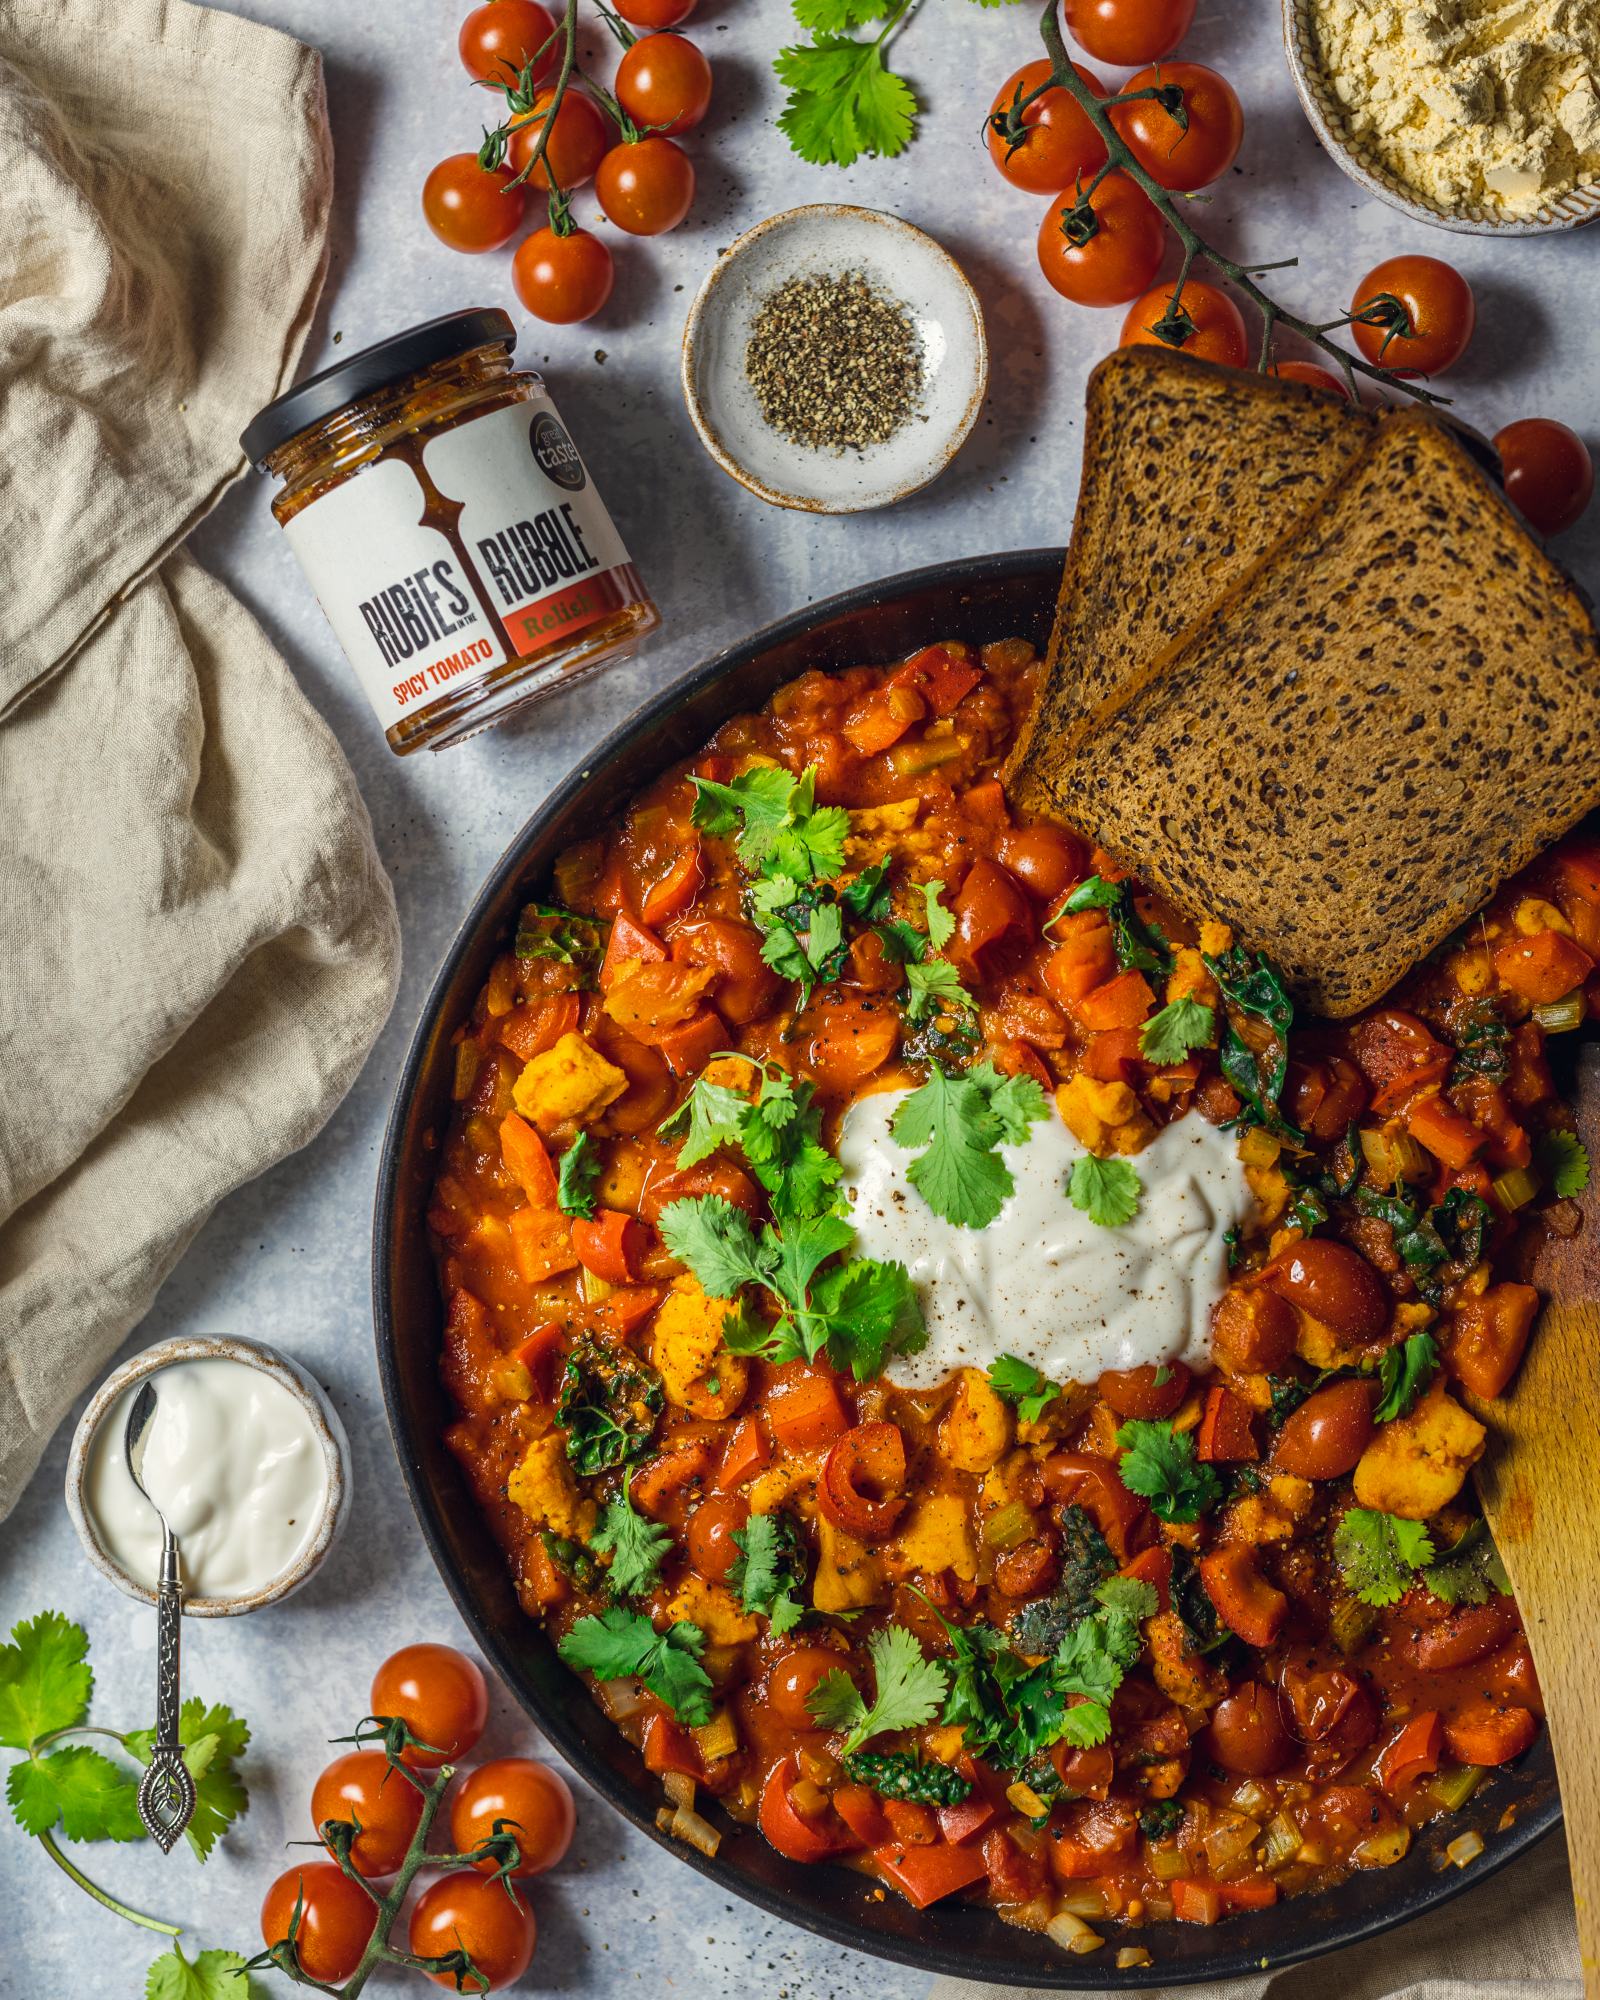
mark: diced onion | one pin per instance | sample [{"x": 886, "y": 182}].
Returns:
[
  {"x": 1131, "y": 1955},
  {"x": 1515, "y": 1188},
  {"x": 1166, "y": 1864},
  {"x": 466, "y": 1073},
  {"x": 499, "y": 996},
  {"x": 1384, "y": 1849},
  {"x": 1083, "y": 1899},
  {"x": 1026, "y": 1801},
  {"x": 1258, "y": 1148},
  {"x": 695, "y": 1832},
  {"x": 665, "y": 1815},
  {"x": 1008, "y": 1526},
  {"x": 807, "y": 1798},
  {"x": 1252, "y": 1798},
  {"x": 1558, "y": 1017},
  {"x": 1072, "y": 1933},
  {"x": 621, "y": 1699},
  {"x": 1234, "y": 1834},
  {"x": 1464, "y": 1848},
  {"x": 1282, "y": 1842},
  {"x": 679, "y": 1788},
  {"x": 717, "y": 1738},
  {"x": 595, "y": 1289}
]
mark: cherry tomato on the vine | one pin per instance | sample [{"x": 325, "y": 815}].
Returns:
[
  {"x": 1311, "y": 373},
  {"x": 488, "y": 1920},
  {"x": 562, "y": 279},
  {"x": 361, "y": 1787},
  {"x": 470, "y": 207},
  {"x": 1211, "y": 326},
  {"x": 1126, "y": 32},
  {"x": 499, "y": 39},
  {"x": 578, "y": 141},
  {"x": 440, "y": 1696},
  {"x": 645, "y": 187},
  {"x": 1548, "y": 472},
  {"x": 664, "y": 84},
  {"x": 1057, "y": 142},
  {"x": 655, "y": 13},
  {"x": 1181, "y": 159},
  {"x": 535, "y": 1801},
  {"x": 337, "y": 1917},
  {"x": 1105, "y": 251},
  {"x": 1419, "y": 315}
]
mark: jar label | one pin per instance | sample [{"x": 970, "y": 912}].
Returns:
[
  {"x": 531, "y": 521},
  {"x": 404, "y": 606}
]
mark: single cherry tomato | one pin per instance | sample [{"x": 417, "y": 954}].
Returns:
[
  {"x": 1247, "y": 1735},
  {"x": 1327, "y": 1706},
  {"x": 712, "y": 1527},
  {"x": 562, "y": 279},
  {"x": 792, "y": 1680},
  {"x": 1126, "y": 32},
  {"x": 1549, "y": 474},
  {"x": 337, "y": 1918},
  {"x": 747, "y": 987},
  {"x": 862, "y": 1489},
  {"x": 645, "y": 187},
  {"x": 1207, "y": 323},
  {"x": 363, "y": 1788},
  {"x": 487, "y": 1920},
  {"x": 1104, "y": 250},
  {"x": 1328, "y": 1433},
  {"x": 655, "y": 13},
  {"x": 1179, "y": 158},
  {"x": 440, "y": 1696},
  {"x": 499, "y": 40},
  {"x": 664, "y": 84},
  {"x": 1313, "y": 375},
  {"x": 469, "y": 207},
  {"x": 533, "y": 1800},
  {"x": 1332, "y": 1283},
  {"x": 1051, "y": 142},
  {"x": 1418, "y": 315},
  {"x": 1253, "y": 1332},
  {"x": 577, "y": 144},
  {"x": 1146, "y": 1393},
  {"x": 1045, "y": 858},
  {"x": 991, "y": 912}
]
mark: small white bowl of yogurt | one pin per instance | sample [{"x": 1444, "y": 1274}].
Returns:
[{"x": 246, "y": 1458}]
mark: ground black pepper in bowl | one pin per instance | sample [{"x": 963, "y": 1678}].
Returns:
[{"x": 834, "y": 363}]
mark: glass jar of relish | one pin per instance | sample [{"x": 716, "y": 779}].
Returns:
[{"x": 450, "y": 529}]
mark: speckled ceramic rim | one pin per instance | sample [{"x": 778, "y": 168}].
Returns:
[
  {"x": 291, "y": 1376},
  {"x": 1568, "y": 211},
  {"x": 695, "y": 332}
]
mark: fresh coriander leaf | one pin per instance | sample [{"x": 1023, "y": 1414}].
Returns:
[
  {"x": 901, "y": 1774},
  {"x": 941, "y": 923},
  {"x": 1182, "y": 1025},
  {"x": 1563, "y": 1159},
  {"x": 784, "y": 831},
  {"x": 961, "y": 1121},
  {"x": 579, "y": 1170},
  {"x": 212, "y": 1975},
  {"x": 908, "y": 1691},
  {"x": 1378, "y": 1554},
  {"x": 637, "y": 1547},
  {"x": 85, "y": 1791},
  {"x": 871, "y": 1311},
  {"x": 1469, "y": 1572},
  {"x": 220, "y": 1796},
  {"x": 615, "y": 1643},
  {"x": 1158, "y": 1463},
  {"x": 769, "y": 1569},
  {"x": 712, "y": 1115},
  {"x": 843, "y": 101},
  {"x": 1095, "y": 894},
  {"x": 800, "y": 1252},
  {"x": 1021, "y": 1383},
  {"x": 867, "y": 895},
  {"x": 717, "y": 1242},
  {"x": 1092, "y": 1659},
  {"x": 608, "y": 1405},
  {"x": 1106, "y": 1190},
  {"x": 1404, "y": 1372},
  {"x": 935, "y": 987},
  {"x": 838, "y": 17},
  {"x": 45, "y": 1681}
]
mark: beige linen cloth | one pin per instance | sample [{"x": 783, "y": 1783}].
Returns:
[{"x": 198, "y": 944}]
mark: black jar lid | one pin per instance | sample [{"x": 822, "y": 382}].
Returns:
[{"x": 346, "y": 382}]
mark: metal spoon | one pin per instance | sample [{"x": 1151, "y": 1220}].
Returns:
[{"x": 166, "y": 1791}]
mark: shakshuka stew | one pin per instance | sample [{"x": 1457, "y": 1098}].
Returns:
[{"x": 1060, "y": 1499}]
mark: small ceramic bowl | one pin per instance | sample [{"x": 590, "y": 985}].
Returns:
[
  {"x": 330, "y": 1435},
  {"x": 1322, "y": 107},
  {"x": 900, "y": 261}
]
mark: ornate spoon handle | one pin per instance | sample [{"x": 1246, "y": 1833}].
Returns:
[{"x": 166, "y": 1791}]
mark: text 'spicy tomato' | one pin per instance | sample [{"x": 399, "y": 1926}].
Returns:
[
  {"x": 534, "y": 1801},
  {"x": 1104, "y": 249},
  {"x": 469, "y": 207},
  {"x": 562, "y": 279},
  {"x": 337, "y": 1917},
  {"x": 1415, "y": 314},
  {"x": 1182, "y": 156},
  {"x": 664, "y": 84},
  {"x": 499, "y": 40},
  {"x": 1126, "y": 32},
  {"x": 488, "y": 1920},
  {"x": 364, "y": 1790},
  {"x": 1050, "y": 144},
  {"x": 440, "y": 1696},
  {"x": 1549, "y": 474},
  {"x": 645, "y": 187},
  {"x": 1206, "y": 324}
]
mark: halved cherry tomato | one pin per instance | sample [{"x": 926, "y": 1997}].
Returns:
[
  {"x": 1332, "y": 1283},
  {"x": 1398, "y": 1054},
  {"x": 1327, "y": 1707},
  {"x": 1245, "y": 1602},
  {"x": 1102, "y": 249},
  {"x": 1156, "y": 1390},
  {"x": 991, "y": 914},
  {"x": 791, "y": 1832},
  {"x": 1253, "y": 1332},
  {"x": 713, "y": 1176},
  {"x": 1412, "y": 1753},
  {"x": 1056, "y": 142},
  {"x": 676, "y": 890},
  {"x": 1192, "y": 143},
  {"x": 1225, "y": 1436},
  {"x": 1413, "y": 313},
  {"x": 1085, "y": 1480},
  {"x": 1207, "y": 323},
  {"x": 862, "y": 1489},
  {"x": 610, "y": 1245}
]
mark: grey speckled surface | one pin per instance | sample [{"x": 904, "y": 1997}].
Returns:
[{"x": 286, "y": 1259}]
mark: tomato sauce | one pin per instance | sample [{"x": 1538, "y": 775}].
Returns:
[{"x": 1286, "y": 1714}]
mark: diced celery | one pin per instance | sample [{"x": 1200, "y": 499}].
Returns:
[
  {"x": 1008, "y": 1526},
  {"x": 1515, "y": 1188},
  {"x": 1559, "y": 1017},
  {"x": 1453, "y": 1787}
]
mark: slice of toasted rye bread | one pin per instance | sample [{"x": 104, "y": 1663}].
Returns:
[
  {"x": 1391, "y": 716},
  {"x": 1191, "y": 472}
]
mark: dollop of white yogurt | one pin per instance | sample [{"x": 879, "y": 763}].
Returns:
[
  {"x": 1043, "y": 1282},
  {"x": 234, "y": 1463}
]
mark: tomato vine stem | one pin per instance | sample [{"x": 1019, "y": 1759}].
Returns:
[{"x": 1120, "y": 155}]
